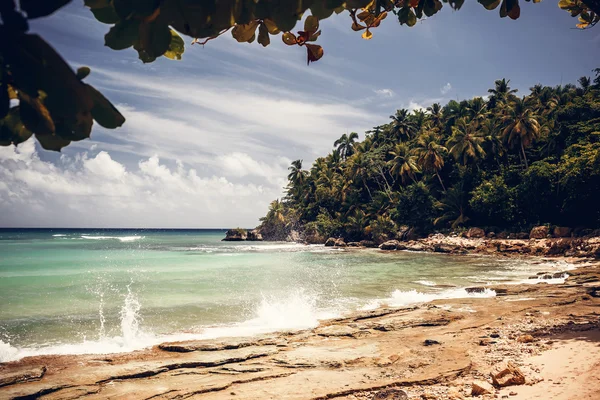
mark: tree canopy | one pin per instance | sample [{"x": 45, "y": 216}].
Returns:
[
  {"x": 507, "y": 163},
  {"x": 41, "y": 95}
]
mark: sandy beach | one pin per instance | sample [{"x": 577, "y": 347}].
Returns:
[{"x": 445, "y": 349}]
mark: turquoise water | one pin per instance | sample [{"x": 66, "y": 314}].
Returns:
[{"x": 97, "y": 291}]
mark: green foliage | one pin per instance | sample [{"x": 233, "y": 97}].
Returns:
[
  {"x": 153, "y": 28},
  {"x": 463, "y": 164},
  {"x": 493, "y": 202}
]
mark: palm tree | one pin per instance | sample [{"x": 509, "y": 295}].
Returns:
[
  {"x": 435, "y": 113},
  {"x": 431, "y": 155},
  {"x": 585, "y": 82},
  {"x": 345, "y": 144},
  {"x": 403, "y": 127},
  {"x": 359, "y": 170},
  {"x": 521, "y": 125},
  {"x": 477, "y": 110},
  {"x": 296, "y": 177},
  {"x": 403, "y": 164},
  {"x": 501, "y": 93},
  {"x": 492, "y": 140},
  {"x": 465, "y": 143},
  {"x": 453, "y": 207}
]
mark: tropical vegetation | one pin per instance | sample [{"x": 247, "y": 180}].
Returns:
[{"x": 506, "y": 161}]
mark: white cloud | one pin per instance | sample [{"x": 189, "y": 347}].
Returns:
[
  {"x": 385, "y": 92},
  {"x": 99, "y": 191},
  {"x": 446, "y": 88},
  {"x": 413, "y": 105}
]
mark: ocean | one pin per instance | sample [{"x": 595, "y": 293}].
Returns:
[{"x": 84, "y": 291}]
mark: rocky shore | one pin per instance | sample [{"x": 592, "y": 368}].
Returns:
[
  {"x": 530, "y": 341},
  {"x": 539, "y": 242}
]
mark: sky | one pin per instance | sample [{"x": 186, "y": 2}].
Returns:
[{"x": 208, "y": 139}]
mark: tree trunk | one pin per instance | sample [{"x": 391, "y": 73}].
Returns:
[
  {"x": 368, "y": 190},
  {"x": 441, "y": 183},
  {"x": 524, "y": 156}
]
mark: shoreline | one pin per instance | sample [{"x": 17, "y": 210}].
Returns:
[
  {"x": 48, "y": 376},
  {"x": 423, "y": 293}
]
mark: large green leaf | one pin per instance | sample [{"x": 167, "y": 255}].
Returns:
[
  {"x": 176, "y": 47},
  {"x": 52, "y": 142},
  {"x": 129, "y": 8},
  {"x": 83, "y": 72},
  {"x": 103, "y": 111},
  {"x": 34, "y": 115},
  {"x": 489, "y": 4},
  {"x": 4, "y": 101},
  {"x": 12, "y": 130},
  {"x": 243, "y": 33},
  {"x": 123, "y": 34},
  {"x": 154, "y": 41},
  {"x": 37, "y": 8}
]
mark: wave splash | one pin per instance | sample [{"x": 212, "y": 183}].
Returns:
[{"x": 121, "y": 238}]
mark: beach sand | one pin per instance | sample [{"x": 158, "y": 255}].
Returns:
[{"x": 437, "y": 350}]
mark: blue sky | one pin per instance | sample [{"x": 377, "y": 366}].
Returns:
[{"x": 208, "y": 139}]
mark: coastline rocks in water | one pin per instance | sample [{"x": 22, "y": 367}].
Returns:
[
  {"x": 353, "y": 244},
  {"x": 235, "y": 235},
  {"x": 330, "y": 242},
  {"x": 522, "y": 235},
  {"x": 339, "y": 243},
  {"x": 447, "y": 248},
  {"x": 475, "y": 289},
  {"x": 368, "y": 243},
  {"x": 561, "y": 232},
  {"x": 254, "y": 235},
  {"x": 475, "y": 233},
  {"x": 539, "y": 232},
  {"x": 391, "y": 245}
]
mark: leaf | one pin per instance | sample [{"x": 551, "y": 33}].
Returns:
[
  {"x": 154, "y": 40},
  {"x": 82, "y": 72},
  {"x": 566, "y": 4},
  {"x": 489, "y": 4},
  {"x": 12, "y": 130},
  {"x": 106, "y": 15},
  {"x": 289, "y": 38},
  {"x": 123, "y": 35},
  {"x": 431, "y": 7},
  {"x": 263, "y": 35},
  {"x": 4, "y": 101},
  {"x": 126, "y": 9},
  {"x": 320, "y": 10},
  {"x": 103, "y": 111},
  {"x": 52, "y": 142},
  {"x": 367, "y": 35},
  {"x": 176, "y": 47},
  {"x": 311, "y": 24},
  {"x": 357, "y": 27},
  {"x": 407, "y": 16},
  {"x": 37, "y": 8},
  {"x": 314, "y": 52},
  {"x": 35, "y": 116},
  {"x": 244, "y": 32},
  {"x": 314, "y": 36},
  {"x": 271, "y": 27}
]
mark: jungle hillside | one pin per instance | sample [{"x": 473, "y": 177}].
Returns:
[{"x": 505, "y": 162}]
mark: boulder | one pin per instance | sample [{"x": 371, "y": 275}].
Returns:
[
  {"x": 476, "y": 289},
  {"x": 522, "y": 235},
  {"x": 561, "y": 232},
  {"x": 490, "y": 235},
  {"x": 402, "y": 232},
  {"x": 330, "y": 242},
  {"x": 235, "y": 235},
  {"x": 445, "y": 248},
  {"x": 416, "y": 246},
  {"x": 539, "y": 232},
  {"x": 354, "y": 244},
  {"x": 508, "y": 376},
  {"x": 368, "y": 243},
  {"x": 525, "y": 339},
  {"x": 255, "y": 235},
  {"x": 479, "y": 388},
  {"x": 502, "y": 235},
  {"x": 559, "y": 247},
  {"x": 339, "y": 243},
  {"x": 474, "y": 233},
  {"x": 391, "y": 394},
  {"x": 390, "y": 245}
]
